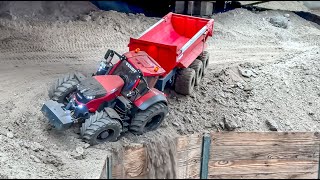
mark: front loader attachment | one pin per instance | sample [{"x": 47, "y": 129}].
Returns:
[{"x": 57, "y": 116}]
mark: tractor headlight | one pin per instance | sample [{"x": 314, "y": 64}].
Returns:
[
  {"x": 103, "y": 68},
  {"x": 90, "y": 97},
  {"x": 102, "y": 65}
]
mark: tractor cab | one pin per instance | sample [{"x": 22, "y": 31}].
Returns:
[{"x": 136, "y": 68}]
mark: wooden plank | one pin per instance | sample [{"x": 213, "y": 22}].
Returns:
[
  {"x": 257, "y": 168},
  {"x": 133, "y": 165},
  {"x": 235, "y": 155},
  {"x": 192, "y": 172},
  {"x": 265, "y": 152},
  {"x": 264, "y": 155},
  {"x": 188, "y": 155},
  {"x": 303, "y": 175},
  {"x": 319, "y": 163},
  {"x": 117, "y": 171},
  {"x": 188, "y": 142},
  {"x": 264, "y": 138},
  {"x": 261, "y": 166},
  {"x": 135, "y": 162},
  {"x": 104, "y": 171}
]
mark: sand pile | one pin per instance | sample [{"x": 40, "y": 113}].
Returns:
[{"x": 45, "y": 10}]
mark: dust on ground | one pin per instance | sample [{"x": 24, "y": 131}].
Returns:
[{"x": 263, "y": 76}]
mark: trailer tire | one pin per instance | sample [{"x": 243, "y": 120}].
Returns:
[
  {"x": 204, "y": 57},
  {"x": 63, "y": 87},
  {"x": 100, "y": 128},
  {"x": 197, "y": 65},
  {"x": 185, "y": 81},
  {"x": 149, "y": 119}
]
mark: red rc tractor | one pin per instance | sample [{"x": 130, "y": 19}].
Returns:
[{"x": 126, "y": 91}]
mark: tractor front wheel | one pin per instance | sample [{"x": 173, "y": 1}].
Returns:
[
  {"x": 149, "y": 119},
  {"x": 65, "y": 85},
  {"x": 100, "y": 128}
]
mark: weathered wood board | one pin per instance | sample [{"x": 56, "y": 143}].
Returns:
[
  {"x": 264, "y": 155},
  {"x": 235, "y": 155}
]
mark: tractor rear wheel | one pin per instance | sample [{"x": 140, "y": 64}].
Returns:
[
  {"x": 185, "y": 81},
  {"x": 204, "y": 57},
  {"x": 100, "y": 128},
  {"x": 65, "y": 85},
  {"x": 149, "y": 119},
  {"x": 198, "y": 68}
]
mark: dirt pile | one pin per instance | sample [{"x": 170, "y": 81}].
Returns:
[
  {"x": 45, "y": 10},
  {"x": 261, "y": 78},
  {"x": 282, "y": 5}
]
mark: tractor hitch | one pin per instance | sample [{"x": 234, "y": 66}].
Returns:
[{"x": 56, "y": 115}]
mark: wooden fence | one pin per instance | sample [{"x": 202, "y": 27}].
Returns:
[{"x": 223, "y": 155}]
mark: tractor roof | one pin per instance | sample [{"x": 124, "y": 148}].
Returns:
[{"x": 147, "y": 65}]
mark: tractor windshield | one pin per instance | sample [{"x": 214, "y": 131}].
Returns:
[{"x": 129, "y": 74}]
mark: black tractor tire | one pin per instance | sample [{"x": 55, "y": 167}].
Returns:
[
  {"x": 198, "y": 68},
  {"x": 149, "y": 119},
  {"x": 100, "y": 128},
  {"x": 185, "y": 81},
  {"x": 63, "y": 87},
  {"x": 204, "y": 57}
]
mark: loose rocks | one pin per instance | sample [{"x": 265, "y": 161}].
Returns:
[{"x": 280, "y": 22}]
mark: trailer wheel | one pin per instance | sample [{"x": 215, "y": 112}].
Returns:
[
  {"x": 185, "y": 81},
  {"x": 100, "y": 128},
  {"x": 149, "y": 119},
  {"x": 198, "y": 68},
  {"x": 63, "y": 87},
  {"x": 204, "y": 57}
]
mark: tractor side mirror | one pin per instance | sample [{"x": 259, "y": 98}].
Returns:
[{"x": 108, "y": 54}]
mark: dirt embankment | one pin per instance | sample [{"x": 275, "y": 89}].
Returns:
[{"x": 263, "y": 75}]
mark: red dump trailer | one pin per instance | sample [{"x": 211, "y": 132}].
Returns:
[{"x": 175, "y": 42}]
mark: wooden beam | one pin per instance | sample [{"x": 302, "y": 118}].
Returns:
[
  {"x": 258, "y": 155},
  {"x": 233, "y": 155},
  {"x": 264, "y": 152},
  {"x": 304, "y": 175},
  {"x": 188, "y": 155},
  {"x": 264, "y": 138},
  {"x": 262, "y": 166},
  {"x": 133, "y": 164}
]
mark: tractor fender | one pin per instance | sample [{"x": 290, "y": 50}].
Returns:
[
  {"x": 112, "y": 113},
  {"x": 150, "y": 98}
]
